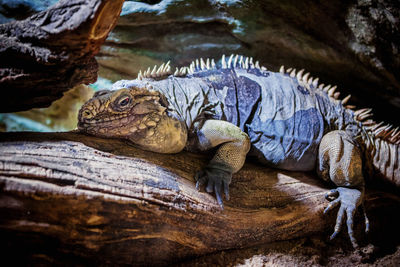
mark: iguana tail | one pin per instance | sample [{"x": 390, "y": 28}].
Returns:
[
  {"x": 382, "y": 142},
  {"x": 382, "y": 149}
]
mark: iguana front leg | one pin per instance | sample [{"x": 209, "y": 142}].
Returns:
[
  {"x": 233, "y": 147},
  {"x": 340, "y": 161}
]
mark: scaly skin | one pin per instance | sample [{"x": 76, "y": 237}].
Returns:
[
  {"x": 287, "y": 119},
  {"x": 229, "y": 158},
  {"x": 134, "y": 114},
  {"x": 340, "y": 161}
]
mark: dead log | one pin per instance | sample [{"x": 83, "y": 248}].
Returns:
[
  {"x": 52, "y": 51},
  {"x": 68, "y": 198}
]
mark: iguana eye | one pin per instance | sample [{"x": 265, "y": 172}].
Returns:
[{"x": 124, "y": 101}]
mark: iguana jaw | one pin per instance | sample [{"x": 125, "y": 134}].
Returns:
[
  {"x": 120, "y": 113},
  {"x": 168, "y": 136},
  {"x": 136, "y": 114}
]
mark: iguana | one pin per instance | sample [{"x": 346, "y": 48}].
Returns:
[{"x": 286, "y": 118}]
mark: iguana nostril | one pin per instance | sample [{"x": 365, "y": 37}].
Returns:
[{"x": 87, "y": 114}]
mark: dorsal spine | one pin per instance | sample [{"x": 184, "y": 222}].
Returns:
[{"x": 379, "y": 139}]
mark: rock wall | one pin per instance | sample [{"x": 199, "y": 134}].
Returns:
[{"x": 353, "y": 44}]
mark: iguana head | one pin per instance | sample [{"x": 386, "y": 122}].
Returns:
[{"x": 137, "y": 114}]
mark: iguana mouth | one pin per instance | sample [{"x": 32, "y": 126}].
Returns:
[
  {"x": 105, "y": 119},
  {"x": 109, "y": 122}
]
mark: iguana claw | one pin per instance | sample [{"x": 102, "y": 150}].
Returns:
[
  {"x": 349, "y": 199},
  {"x": 216, "y": 179}
]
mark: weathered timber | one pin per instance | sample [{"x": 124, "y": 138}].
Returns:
[
  {"x": 68, "y": 198},
  {"x": 52, "y": 51}
]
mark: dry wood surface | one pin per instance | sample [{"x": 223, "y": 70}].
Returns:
[
  {"x": 105, "y": 201},
  {"x": 52, "y": 51}
]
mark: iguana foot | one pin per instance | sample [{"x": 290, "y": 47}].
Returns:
[
  {"x": 349, "y": 200},
  {"x": 233, "y": 145},
  {"x": 216, "y": 179}
]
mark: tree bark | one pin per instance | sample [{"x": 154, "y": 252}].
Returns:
[
  {"x": 68, "y": 198},
  {"x": 52, "y": 51}
]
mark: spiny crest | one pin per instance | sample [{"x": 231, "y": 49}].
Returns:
[
  {"x": 376, "y": 130},
  {"x": 380, "y": 130},
  {"x": 238, "y": 61},
  {"x": 234, "y": 61},
  {"x": 385, "y": 132},
  {"x": 310, "y": 82},
  {"x": 156, "y": 72}
]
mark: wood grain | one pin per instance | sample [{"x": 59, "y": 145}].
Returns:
[
  {"x": 71, "y": 194},
  {"x": 52, "y": 51}
]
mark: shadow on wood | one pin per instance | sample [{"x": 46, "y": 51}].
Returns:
[{"x": 68, "y": 197}]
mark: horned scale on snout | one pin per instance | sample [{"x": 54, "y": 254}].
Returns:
[{"x": 288, "y": 119}]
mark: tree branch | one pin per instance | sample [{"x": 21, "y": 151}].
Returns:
[
  {"x": 70, "y": 194},
  {"x": 52, "y": 51}
]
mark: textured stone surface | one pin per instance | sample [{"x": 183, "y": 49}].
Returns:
[
  {"x": 375, "y": 28},
  {"x": 21, "y": 9},
  {"x": 352, "y": 44}
]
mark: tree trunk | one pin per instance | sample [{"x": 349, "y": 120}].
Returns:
[
  {"x": 52, "y": 51},
  {"x": 67, "y": 198}
]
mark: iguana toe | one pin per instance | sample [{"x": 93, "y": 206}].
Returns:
[
  {"x": 366, "y": 220},
  {"x": 349, "y": 200},
  {"x": 217, "y": 180},
  {"x": 332, "y": 195},
  {"x": 200, "y": 178}
]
